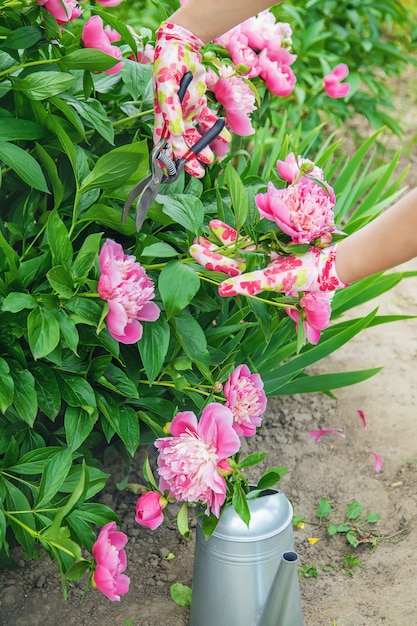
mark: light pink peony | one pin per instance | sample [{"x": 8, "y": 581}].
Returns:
[
  {"x": 332, "y": 82},
  {"x": 149, "y": 509},
  {"x": 110, "y": 557},
  {"x": 279, "y": 77},
  {"x": 315, "y": 314},
  {"x": 95, "y": 36},
  {"x": 246, "y": 399},
  {"x": 263, "y": 31},
  {"x": 289, "y": 169},
  {"x": 237, "y": 98},
  {"x": 62, "y": 10},
  {"x": 189, "y": 461},
  {"x": 128, "y": 291},
  {"x": 109, "y": 3},
  {"x": 303, "y": 211}
]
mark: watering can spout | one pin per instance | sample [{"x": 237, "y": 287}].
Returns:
[{"x": 283, "y": 604}]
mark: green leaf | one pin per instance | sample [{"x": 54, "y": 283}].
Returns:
[
  {"x": 119, "y": 381},
  {"x": 85, "y": 311},
  {"x": 271, "y": 477},
  {"x": 184, "y": 209},
  {"x": 68, "y": 331},
  {"x": 109, "y": 217},
  {"x": 54, "y": 474},
  {"x": 14, "y": 129},
  {"x": 88, "y": 59},
  {"x": 47, "y": 390},
  {"x": 6, "y": 386},
  {"x": 240, "y": 503},
  {"x": 17, "y": 301},
  {"x": 147, "y": 473},
  {"x": 181, "y": 594},
  {"x": 238, "y": 195},
  {"x": 86, "y": 256},
  {"x": 17, "y": 501},
  {"x": 25, "y": 166},
  {"x": 331, "y": 529},
  {"x": 78, "y": 570},
  {"x": 252, "y": 459},
  {"x": 353, "y": 510},
  {"x": 77, "y": 392},
  {"x": 191, "y": 337},
  {"x": 95, "y": 114},
  {"x": 43, "y": 332},
  {"x": 61, "y": 281},
  {"x": 23, "y": 38},
  {"x": 59, "y": 241},
  {"x": 43, "y": 85},
  {"x": 78, "y": 425},
  {"x": 52, "y": 172},
  {"x": 114, "y": 168},
  {"x": 129, "y": 430},
  {"x": 25, "y": 399},
  {"x": 159, "y": 249},
  {"x": 153, "y": 346},
  {"x": 178, "y": 284},
  {"x": 182, "y": 521},
  {"x": 324, "y": 508},
  {"x": 372, "y": 517}
]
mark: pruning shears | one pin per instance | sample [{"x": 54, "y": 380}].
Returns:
[{"x": 163, "y": 168}]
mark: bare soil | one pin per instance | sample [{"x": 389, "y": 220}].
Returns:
[{"x": 381, "y": 589}]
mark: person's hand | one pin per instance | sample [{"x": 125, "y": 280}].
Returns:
[
  {"x": 177, "y": 52},
  {"x": 313, "y": 271}
]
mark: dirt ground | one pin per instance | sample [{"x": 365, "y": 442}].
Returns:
[{"x": 381, "y": 589}]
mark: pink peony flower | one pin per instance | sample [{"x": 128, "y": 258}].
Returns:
[
  {"x": 289, "y": 169},
  {"x": 279, "y": 77},
  {"x": 246, "y": 399},
  {"x": 315, "y": 314},
  {"x": 128, "y": 290},
  {"x": 332, "y": 82},
  {"x": 149, "y": 509},
  {"x": 111, "y": 562},
  {"x": 95, "y": 36},
  {"x": 237, "y": 98},
  {"x": 109, "y": 3},
  {"x": 189, "y": 461},
  {"x": 62, "y": 10},
  {"x": 304, "y": 211},
  {"x": 263, "y": 31}
]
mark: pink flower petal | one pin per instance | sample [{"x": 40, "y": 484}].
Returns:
[
  {"x": 378, "y": 461},
  {"x": 318, "y": 434},
  {"x": 363, "y": 418}
]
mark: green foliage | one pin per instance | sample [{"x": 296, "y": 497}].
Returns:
[{"x": 73, "y": 142}]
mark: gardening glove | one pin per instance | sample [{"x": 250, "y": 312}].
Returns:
[
  {"x": 177, "y": 52},
  {"x": 313, "y": 271}
]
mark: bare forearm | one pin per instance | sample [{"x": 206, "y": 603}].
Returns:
[
  {"x": 209, "y": 19},
  {"x": 388, "y": 241}
]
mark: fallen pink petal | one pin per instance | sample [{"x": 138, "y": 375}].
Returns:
[
  {"x": 363, "y": 418},
  {"x": 318, "y": 434},
  {"x": 378, "y": 461}
]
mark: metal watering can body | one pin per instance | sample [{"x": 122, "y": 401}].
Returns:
[{"x": 247, "y": 576}]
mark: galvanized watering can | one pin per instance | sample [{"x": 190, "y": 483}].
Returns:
[{"x": 247, "y": 576}]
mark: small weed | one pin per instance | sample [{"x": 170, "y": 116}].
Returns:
[
  {"x": 348, "y": 562},
  {"x": 309, "y": 571}
]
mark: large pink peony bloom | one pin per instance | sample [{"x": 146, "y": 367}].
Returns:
[
  {"x": 279, "y": 77},
  {"x": 95, "y": 36},
  {"x": 108, "y": 552},
  {"x": 332, "y": 82},
  {"x": 128, "y": 290},
  {"x": 315, "y": 314},
  {"x": 263, "y": 31},
  {"x": 303, "y": 211},
  {"x": 149, "y": 509},
  {"x": 62, "y": 10},
  {"x": 188, "y": 462},
  {"x": 246, "y": 399},
  {"x": 237, "y": 98}
]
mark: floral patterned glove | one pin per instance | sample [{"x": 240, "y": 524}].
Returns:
[
  {"x": 314, "y": 271},
  {"x": 177, "y": 52}
]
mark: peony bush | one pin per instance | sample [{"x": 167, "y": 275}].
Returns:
[{"x": 107, "y": 334}]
